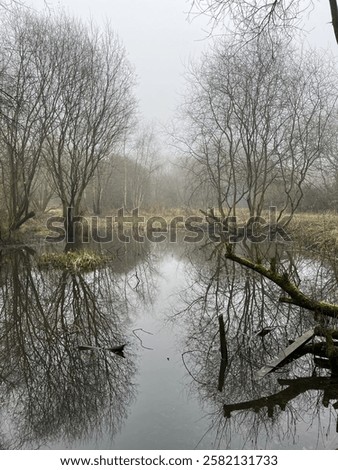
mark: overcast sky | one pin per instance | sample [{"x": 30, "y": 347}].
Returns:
[{"x": 160, "y": 40}]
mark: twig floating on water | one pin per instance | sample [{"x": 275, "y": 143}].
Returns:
[{"x": 148, "y": 333}]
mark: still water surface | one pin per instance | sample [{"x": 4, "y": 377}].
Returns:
[{"x": 163, "y": 302}]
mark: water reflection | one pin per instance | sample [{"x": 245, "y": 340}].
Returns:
[
  {"x": 61, "y": 385},
  {"x": 235, "y": 325},
  {"x": 52, "y": 389}
]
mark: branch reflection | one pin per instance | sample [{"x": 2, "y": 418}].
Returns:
[{"x": 236, "y": 325}]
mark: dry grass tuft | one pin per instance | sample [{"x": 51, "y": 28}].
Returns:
[{"x": 75, "y": 261}]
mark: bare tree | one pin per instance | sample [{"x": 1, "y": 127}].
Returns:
[
  {"x": 144, "y": 154},
  {"x": 256, "y": 119},
  {"x": 23, "y": 129},
  {"x": 91, "y": 106}
]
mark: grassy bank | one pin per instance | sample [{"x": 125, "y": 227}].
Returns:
[{"x": 317, "y": 232}]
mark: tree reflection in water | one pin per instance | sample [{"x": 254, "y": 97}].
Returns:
[
  {"x": 54, "y": 394},
  {"x": 235, "y": 326},
  {"x": 49, "y": 389}
]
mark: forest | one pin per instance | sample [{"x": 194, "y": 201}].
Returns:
[{"x": 256, "y": 128}]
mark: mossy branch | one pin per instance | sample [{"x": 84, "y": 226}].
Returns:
[{"x": 296, "y": 296}]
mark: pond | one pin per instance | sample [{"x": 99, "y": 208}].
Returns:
[{"x": 167, "y": 384}]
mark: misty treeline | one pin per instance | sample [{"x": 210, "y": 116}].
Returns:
[{"x": 257, "y": 126}]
